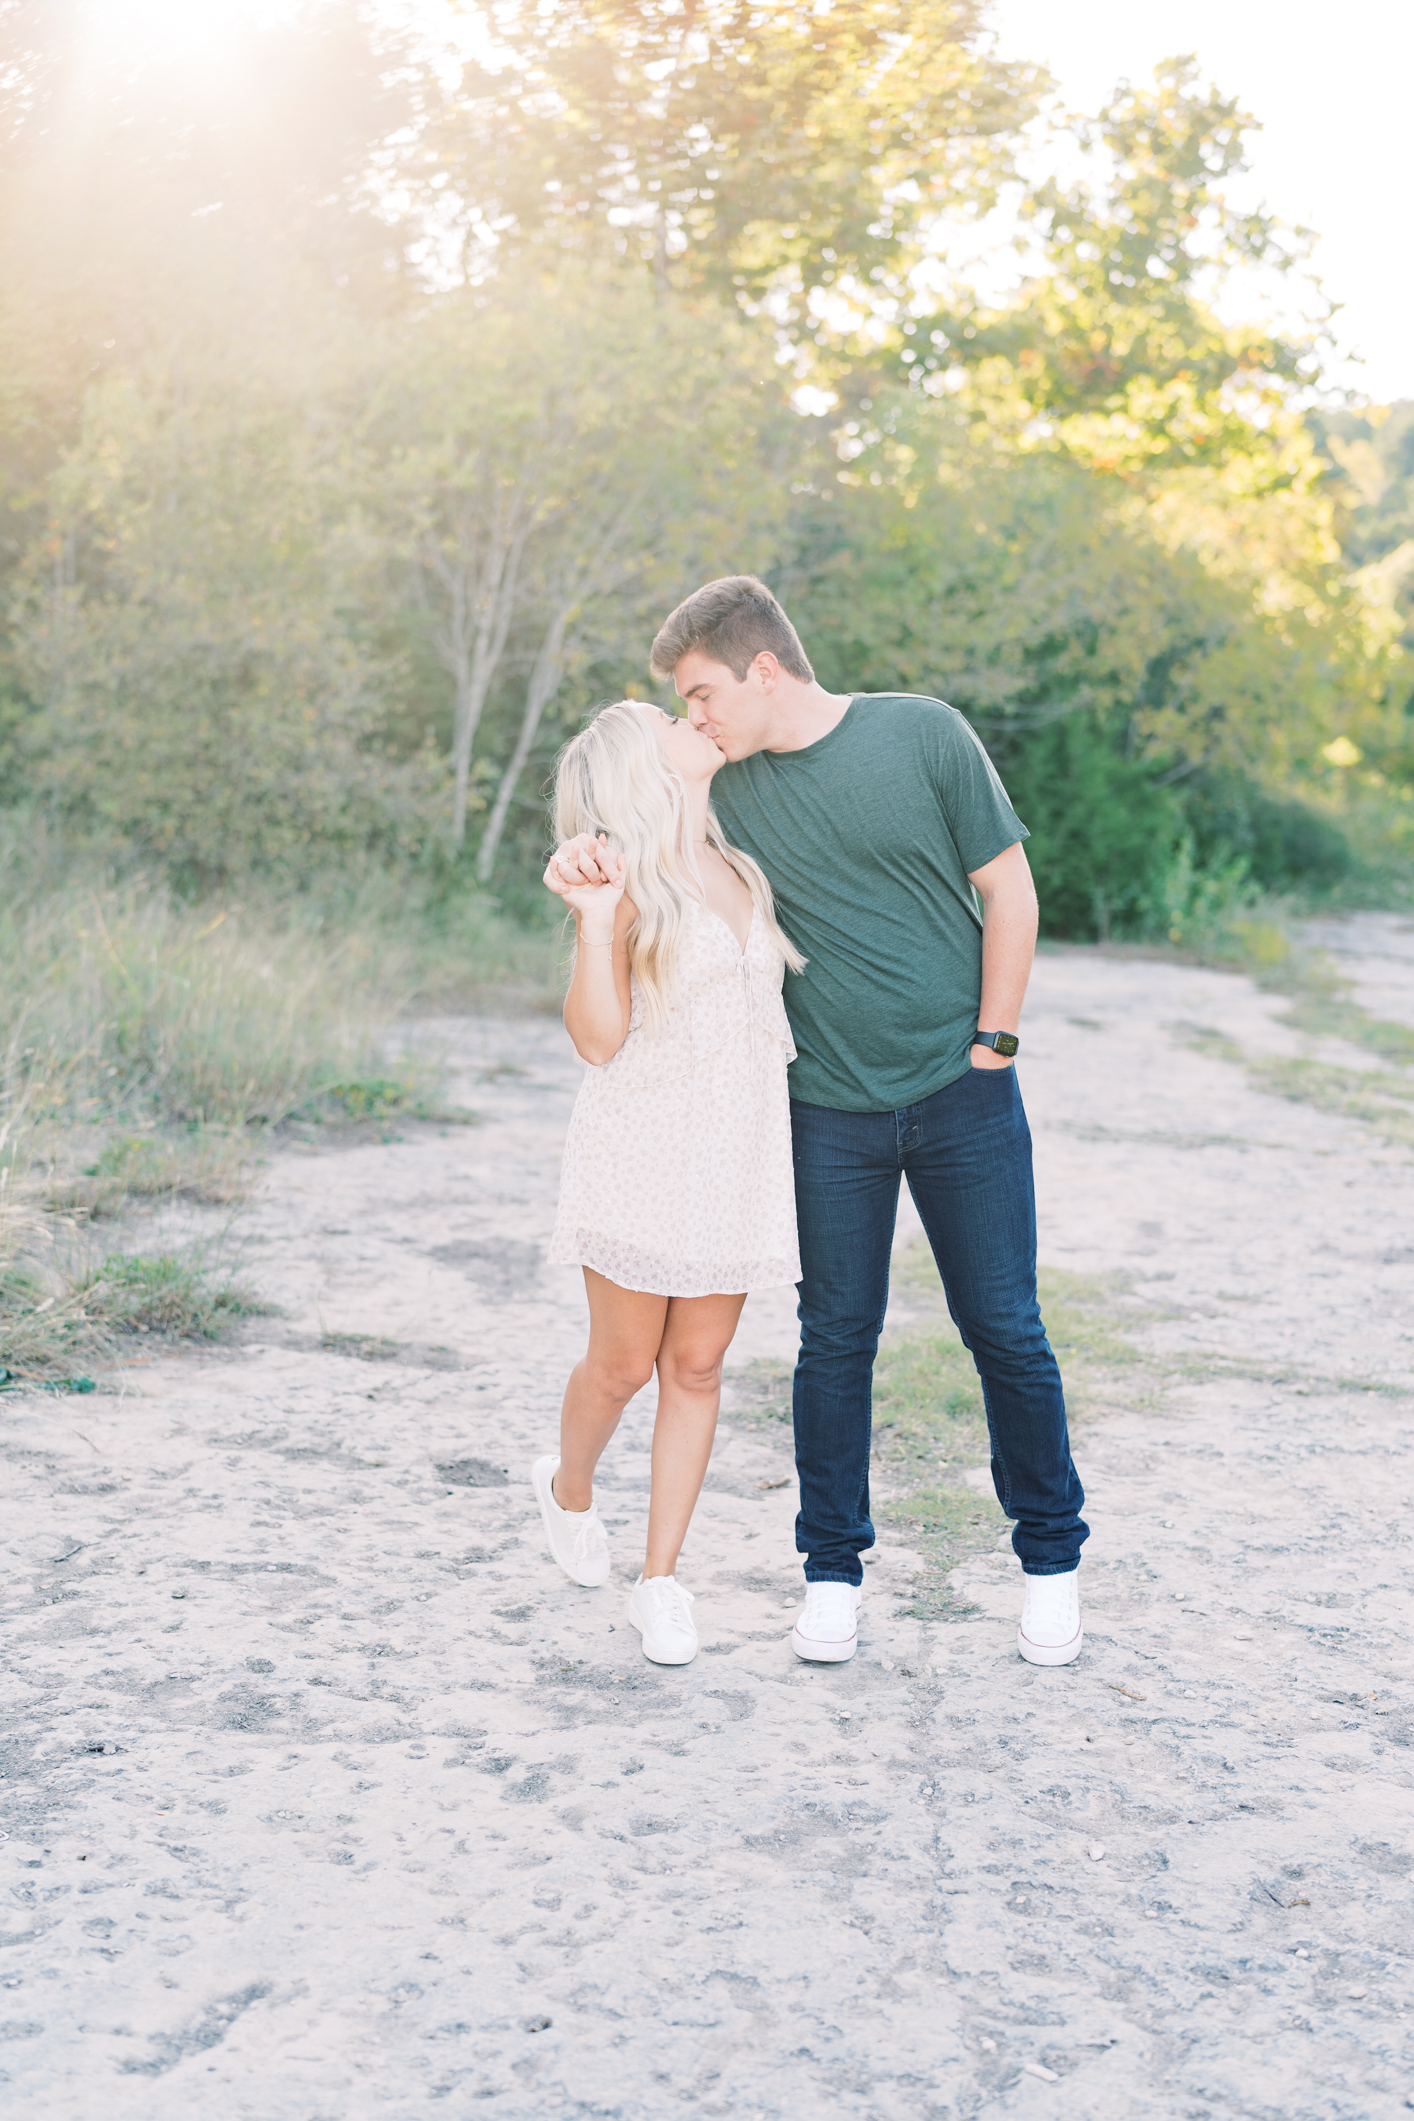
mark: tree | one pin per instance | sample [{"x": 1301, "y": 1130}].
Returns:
[
  {"x": 152, "y": 211},
  {"x": 729, "y": 147},
  {"x": 541, "y": 491},
  {"x": 1113, "y": 352},
  {"x": 1111, "y": 673},
  {"x": 188, "y": 630},
  {"x": 1371, "y": 458}
]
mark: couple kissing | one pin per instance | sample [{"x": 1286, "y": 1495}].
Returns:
[{"x": 804, "y": 925}]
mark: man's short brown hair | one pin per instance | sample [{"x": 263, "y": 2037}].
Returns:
[{"x": 729, "y": 621}]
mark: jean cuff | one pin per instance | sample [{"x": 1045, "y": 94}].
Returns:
[
  {"x": 1050, "y": 1568},
  {"x": 824, "y": 1576}
]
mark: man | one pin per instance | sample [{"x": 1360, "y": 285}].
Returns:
[{"x": 876, "y": 818}]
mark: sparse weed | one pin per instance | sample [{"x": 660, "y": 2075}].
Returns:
[
  {"x": 1320, "y": 1005},
  {"x": 1379, "y": 1100},
  {"x": 930, "y": 1447},
  {"x": 182, "y": 1295},
  {"x": 64, "y": 1307},
  {"x": 215, "y": 1165}
]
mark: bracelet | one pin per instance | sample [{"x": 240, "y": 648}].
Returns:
[{"x": 593, "y": 944}]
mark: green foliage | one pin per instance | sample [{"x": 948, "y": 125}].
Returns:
[
  {"x": 1284, "y": 845},
  {"x": 1114, "y": 345},
  {"x": 187, "y": 630},
  {"x": 729, "y": 148},
  {"x": 380, "y": 1098},
  {"x": 544, "y": 512},
  {"x": 323, "y": 527},
  {"x": 1105, "y": 830},
  {"x": 60, "y": 1312},
  {"x": 164, "y": 1292},
  {"x": 180, "y": 1033},
  {"x": 122, "y": 1000},
  {"x": 1127, "y": 695},
  {"x": 210, "y": 1164},
  {"x": 1373, "y": 452}
]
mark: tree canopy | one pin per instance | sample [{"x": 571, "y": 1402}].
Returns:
[
  {"x": 361, "y": 414},
  {"x": 733, "y": 148}
]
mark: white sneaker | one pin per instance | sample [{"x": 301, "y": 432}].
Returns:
[
  {"x": 577, "y": 1538},
  {"x": 658, "y": 1609},
  {"x": 827, "y": 1630},
  {"x": 1050, "y": 1631}
]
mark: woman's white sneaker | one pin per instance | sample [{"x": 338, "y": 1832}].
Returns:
[
  {"x": 577, "y": 1538},
  {"x": 658, "y": 1608},
  {"x": 1050, "y": 1631},
  {"x": 827, "y": 1629}
]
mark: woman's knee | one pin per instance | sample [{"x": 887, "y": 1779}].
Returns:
[
  {"x": 689, "y": 1368},
  {"x": 619, "y": 1372}
]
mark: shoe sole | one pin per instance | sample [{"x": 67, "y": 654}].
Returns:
[
  {"x": 542, "y": 1496},
  {"x": 1050, "y": 1653},
  {"x": 822, "y": 1652}
]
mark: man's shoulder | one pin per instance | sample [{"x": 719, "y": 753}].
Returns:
[
  {"x": 904, "y": 707},
  {"x": 912, "y": 718}
]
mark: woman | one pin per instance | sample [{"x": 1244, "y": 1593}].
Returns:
[{"x": 677, "y": 1197}]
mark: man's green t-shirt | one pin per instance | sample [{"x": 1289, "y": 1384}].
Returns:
[{"x": 867, "y": 838}]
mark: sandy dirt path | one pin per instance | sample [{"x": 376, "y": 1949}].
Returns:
[{"x": 326, "y": 1796}]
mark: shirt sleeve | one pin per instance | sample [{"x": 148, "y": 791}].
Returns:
[{"x": 978, "y": 812}]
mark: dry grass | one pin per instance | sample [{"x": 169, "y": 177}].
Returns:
[
  {"x": 146, "y": 1051},
  {"x": 121, "y": 1003}
]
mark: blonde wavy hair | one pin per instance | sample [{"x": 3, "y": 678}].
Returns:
[{"x": 614, "y": 778}]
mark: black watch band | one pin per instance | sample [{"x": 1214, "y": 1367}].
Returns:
[{"x": 1003, "y": 1042}]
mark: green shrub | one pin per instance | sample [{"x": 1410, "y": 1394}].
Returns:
[
  {"x": 1104, "y": 833},
  {"x": 1286, "y": 845}
]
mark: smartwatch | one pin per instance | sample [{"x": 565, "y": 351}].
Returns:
[{"x": 1003, "y": 1042}]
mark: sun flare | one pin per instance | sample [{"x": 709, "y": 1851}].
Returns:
[{"x": 169, "y": 29}]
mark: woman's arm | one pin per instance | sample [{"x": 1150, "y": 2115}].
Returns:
[{"x": 597, "y": 1005}]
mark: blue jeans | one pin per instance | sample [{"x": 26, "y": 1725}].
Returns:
[{"x": 966, "y": 1153}]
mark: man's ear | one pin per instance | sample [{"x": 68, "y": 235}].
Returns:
[{"x": 766, "y": 670}]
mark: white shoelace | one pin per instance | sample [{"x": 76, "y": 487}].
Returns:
[
  {"x": 587, "y": 1537},
  {"x": 672, "y": 1603}
]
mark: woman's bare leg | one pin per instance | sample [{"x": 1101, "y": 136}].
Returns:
[
  {"x": 625, "y": 1331},
  {"x": 695, "y": 1339}
]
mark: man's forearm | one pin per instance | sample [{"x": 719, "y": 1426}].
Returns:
[{"x": 1009, "y": 921}]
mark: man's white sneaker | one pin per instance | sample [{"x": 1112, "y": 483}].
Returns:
[
  {"x": 577, "y": 1538},
  {"x": 658, "y": 1608},
  {"x": 827, "y": 1629},
  {"x": 1050, "y": 1631}
]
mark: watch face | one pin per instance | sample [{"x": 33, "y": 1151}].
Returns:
[{"x": 1007, "y": 1043}]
